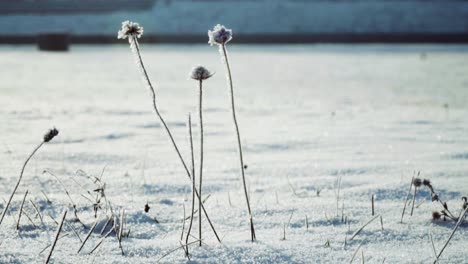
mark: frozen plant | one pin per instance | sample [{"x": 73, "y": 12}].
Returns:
[
  {"x": 445, "y": 213},
  {"x": 133, "y": 31},
  {"x": 200, "y": 74},
  {"x": 47, "y": 138},
  {"x": 220, "y": 36}
]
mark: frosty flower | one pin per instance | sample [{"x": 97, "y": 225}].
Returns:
[
  {"x": 220, "y": 35},
  {"x": 130, "y": 28},
  {"x": 200, "y": 73},
  {"x": 50, "y": 134}
]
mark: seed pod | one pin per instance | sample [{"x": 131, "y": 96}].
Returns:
[{"x": 50, "y": 134}]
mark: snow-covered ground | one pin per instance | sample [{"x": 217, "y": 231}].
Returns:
[{"x": 369, "y": 115}]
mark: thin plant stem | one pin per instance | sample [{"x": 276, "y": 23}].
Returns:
[
  {"x": 460, "y": 220},
  {"x": 193, "y": 182},
  {"x": 362, "y": 227},
  {"x": 239, "y": 145},
  {"x": 56, "y": 236},
  {"x": 19, "y": 180},
  {"x": 200, "y": 177},
  {"x": 406, "y": 199},
  {"x": 414, "y": 199},
  {"x": 21, "y": 210},
  {"x": 135, "y": 47},
  {"x": 89, "y": 234},
  {"x": 37, "y": 211}
]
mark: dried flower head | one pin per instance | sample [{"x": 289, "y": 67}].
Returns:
[
  {"x": 130, "y": 29},
  {"x": 436, "y": 215},
  {"x": 50, "y": 134},
  {"x": 200, "y": 73},
  {"x": 426, "y": 182},
  {"x": 220, "y": 35},
  {"x": 417, "y": 182},
  {"x": 435, "y": 197}
]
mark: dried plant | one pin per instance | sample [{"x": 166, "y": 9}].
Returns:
[
  {"x": 133, "y": 31},
  {"x": 220, "y": 36},
  {"x": 47, "y": 138}
]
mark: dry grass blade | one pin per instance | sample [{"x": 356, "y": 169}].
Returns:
[
  {"x": 362, "y": 227},
  {"x": 37, "y": 211},
  {"x": 406, "y": 200},
  {"x": 460, "y": 220},
  {"x": 175, "y": 249},
  {"x": 21, "y": 210},
  {"x": 88, "y": 235},
  {"x": 355, "y": 252},
  {"x": 19, "y": 181},
  {"x": 56, "y": 236}
]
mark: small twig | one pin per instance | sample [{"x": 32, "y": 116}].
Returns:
[
  {"x": 373, "y": 211},
  {"x": 56, "y": 236}
]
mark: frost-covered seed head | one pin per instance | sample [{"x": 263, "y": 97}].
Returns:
[
  {"x": 50, "y": 134},
  {"x": 436, "y": 215},
  {"x": 417, "y": 182},
  {"x": 130, "y": 29},
  {"x": 219, "y": 36},
  {"x": 200, "y": 73}
]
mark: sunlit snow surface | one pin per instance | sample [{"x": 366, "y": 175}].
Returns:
[{"x": 308, "y": 115}]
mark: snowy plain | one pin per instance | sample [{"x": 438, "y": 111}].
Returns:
[{"x": 309, "y": 115}]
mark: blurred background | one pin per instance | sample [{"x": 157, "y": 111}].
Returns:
[{"x": 254, "y": 21}]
